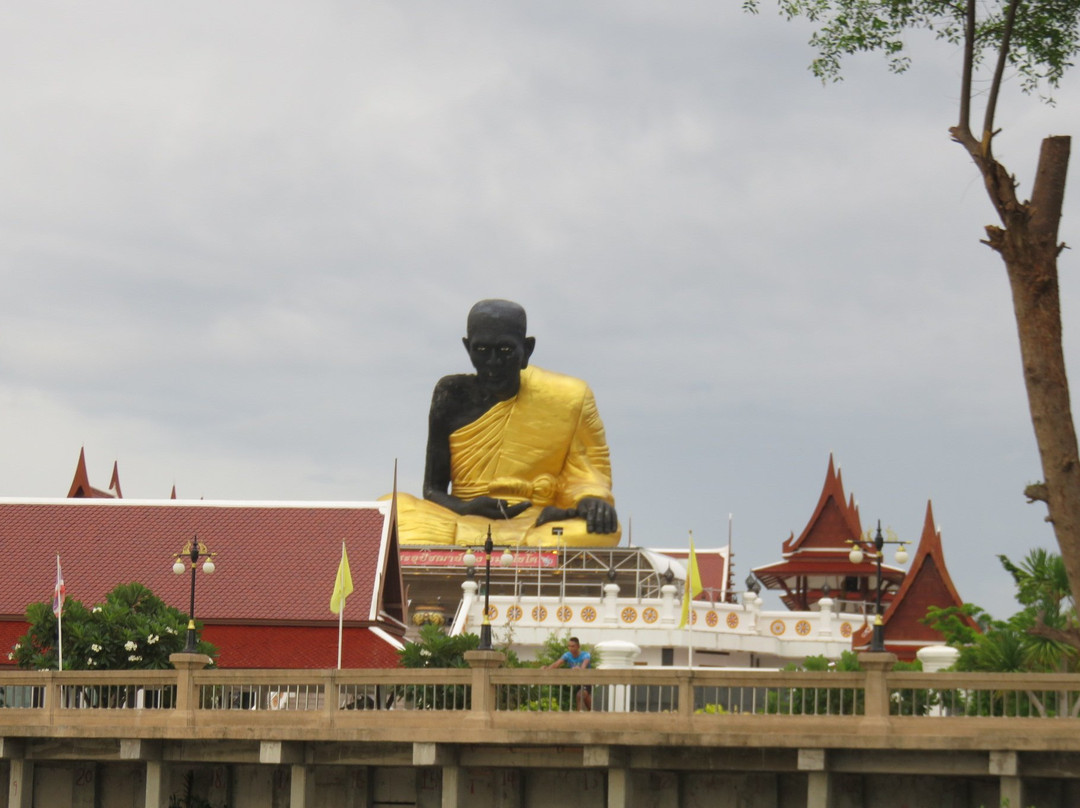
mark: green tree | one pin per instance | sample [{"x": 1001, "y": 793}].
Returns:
[
  {"x": 843, "y": 700},
  {"x": 1037, "y": 40},
  {"x": 132, "y": 629},
  {"x": 1039, "y": 638},
  {"x": 437, "y": 650},
  {"x": 1042, "y": 587}
]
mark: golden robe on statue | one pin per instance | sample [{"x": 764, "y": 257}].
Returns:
[{"x": 545, "y": 445}]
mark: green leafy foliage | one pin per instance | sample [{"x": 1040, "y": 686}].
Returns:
[
  {"x": 1039, "y": 45},
  {"x": 553, "y": 697},
  {"x": 437, "y": 650},
  {"x": 712, "y": 709},
  {"x": 132, "y": 630},
  {"x": 818, "y": 700},
  {"x": 840, "y": 700},
  {"x": 189, "y": 799},
  {"x": 1029, "y": 641},
  {"x": 557, "y": 644}
]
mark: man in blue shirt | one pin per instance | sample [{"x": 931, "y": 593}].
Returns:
[{"x": 576, "y": 659}]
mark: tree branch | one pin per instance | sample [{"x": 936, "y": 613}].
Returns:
[
  {"x": 964, "y": 124},
  {"x": 999, "y": 73},
  {"x": 1065, "y": 636},
  {"x": 1037, "y": 492}
]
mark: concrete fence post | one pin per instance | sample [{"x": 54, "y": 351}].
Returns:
[
  {"x": 686, "y": 693},
  {"x": 483, "y": 691},
  {"x": 54, "y": 692},
  {"x": 331, "y": 696},
  {"x": 875, "y": 666},
  {"x": 186, "y": 664}
]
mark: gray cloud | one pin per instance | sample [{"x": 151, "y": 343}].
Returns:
[{"x": 238, "y": 244}]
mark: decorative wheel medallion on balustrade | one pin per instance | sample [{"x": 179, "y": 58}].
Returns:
[
  {"x": 629, "y": 614},
  {"x": 711, "y": 618},
  {"x": 732, "y": 620},
  {"x": 492, "y": 612},
  {"x": 513, "y": 614},
  {"x": 650, "y": 615},
  {"x": 564, "y": 613},
  {"x": 802, "y": 628},
  {"x": 539, "y": 614},
  {"x": 693, "y": 617},
  {"x": 778, "y": 627},
  {"x": 845, "y": 630},
  {"x": 588, "y": 614}
]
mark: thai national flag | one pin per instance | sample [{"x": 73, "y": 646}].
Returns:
[{"x": 60, "y": 592}]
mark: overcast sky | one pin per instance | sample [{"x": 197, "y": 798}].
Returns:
[{"x": 238, "y": 243}]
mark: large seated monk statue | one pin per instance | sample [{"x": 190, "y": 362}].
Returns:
[{"x": 512, "y": 447}]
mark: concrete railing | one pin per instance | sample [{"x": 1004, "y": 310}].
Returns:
[
  {"x": 492, "y": 704},
  {"x": 709, "y": 620}
]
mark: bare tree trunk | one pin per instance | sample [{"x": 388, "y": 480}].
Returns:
[{"x": 1029, "y": 246}]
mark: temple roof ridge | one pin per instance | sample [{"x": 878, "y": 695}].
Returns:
[
  {"x": 928, "y": 551},
  {"x": 832, "y": 506},
  {"x": 926, "y": 584},
  {"x": 80, "y": 483},
  {"x": 114, "y": 481}
]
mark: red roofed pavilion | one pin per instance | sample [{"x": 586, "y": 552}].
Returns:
[
  {"x": 819, "y": 558},
  {"x": 268, "y": 603},
  {"x": 927, "y": 584}
]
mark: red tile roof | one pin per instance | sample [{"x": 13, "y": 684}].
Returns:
[
  {"x": 819, "y": 556},
  {"x": 712, "y": 567},
  {"x": 834, "y": 521},
  {"x": 276, "y": 562},
  {"x": 927, "y": 584}
]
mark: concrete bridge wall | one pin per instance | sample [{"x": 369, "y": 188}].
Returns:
[
  {"x": 85, "y": 784},
  {"x": 493, "y": 737}
]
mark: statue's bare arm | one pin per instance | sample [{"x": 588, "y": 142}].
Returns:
[{"x": 455, "y": 403}]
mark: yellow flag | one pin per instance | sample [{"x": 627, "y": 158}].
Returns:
[
  {"x": 342, "y": 584},
  {"x": 693, "y": 584}
]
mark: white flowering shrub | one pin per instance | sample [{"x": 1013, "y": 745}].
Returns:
[{"x": 132, "y": 629}]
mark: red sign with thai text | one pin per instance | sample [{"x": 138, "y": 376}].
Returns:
[{"x": 439, "y": 557}]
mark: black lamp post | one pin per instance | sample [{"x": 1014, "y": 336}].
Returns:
[
  {"x": 193, "y": 550},
  {"x": 877, "y": 641},
  {"x": 470, "y": 563}
]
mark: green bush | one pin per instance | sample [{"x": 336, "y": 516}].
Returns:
[{"x": 132, "y": 630}]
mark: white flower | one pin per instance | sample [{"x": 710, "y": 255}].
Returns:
[
  {"x": 130, "y": 645},
  {"x": 170, "y": 630},
  {"x": 134, "y": 658},
  {"x": 17, "y": 646},
  {"x": 96, "y": 609},
  {"x": 11, "y": 655},
  {"x": 90, "y": 662},
  {"x": 152, "y": 639},
  {"x": 95, "y": 648},
  {"x": 425, "y": 652}
]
